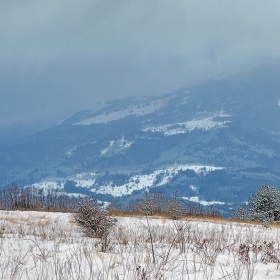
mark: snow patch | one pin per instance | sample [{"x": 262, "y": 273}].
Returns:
[
  {"x": 194, "y": 188},
  {"x": 49, "y": 185},
  {"x": 77, "y": 195},
  {"x": 203, "y": 202},
  {"x": 69, "y": 153},
  {"x": 85, "y": 183},
  {"x": 105, "y": 151},
  {"x": 184, "y": 127},
  {"x": 84, "y": 180},
  {"x": 117, "y": 146},
  {"x": 138, "y": 110},
  {"x": 154, "y": 179}
]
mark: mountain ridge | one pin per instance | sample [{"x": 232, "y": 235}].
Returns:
[{"x": 230, "y": 123}]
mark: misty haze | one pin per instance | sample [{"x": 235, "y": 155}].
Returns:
[{"x": 129, "y": 101}]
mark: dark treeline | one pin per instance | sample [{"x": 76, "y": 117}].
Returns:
[
  {"x": 31, "y": 198},
  {"x": 170, "y": 205},
  {"x": 14, "y": 197}
]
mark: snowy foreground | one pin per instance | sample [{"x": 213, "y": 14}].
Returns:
[{"x": 39, "y": 245}]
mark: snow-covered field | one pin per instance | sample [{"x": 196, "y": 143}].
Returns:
[{"x": 38, "y": 245}]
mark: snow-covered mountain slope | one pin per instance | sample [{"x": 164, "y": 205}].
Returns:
[
  {"x": 138, "y": 110},
  {"x": 125, "y": 147},
  {"x": 155, "y": 178}
]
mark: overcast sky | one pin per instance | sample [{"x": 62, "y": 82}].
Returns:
[{"x": 60, "y": 56}]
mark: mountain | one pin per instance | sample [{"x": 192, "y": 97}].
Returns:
[
  {"x": 215, "y": 143},
  {"x": 15, "y": 132}
]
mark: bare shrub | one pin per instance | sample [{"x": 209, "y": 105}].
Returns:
[
  {"x": 176, "y": 208},
  {"x": 147, "y": 205},
  {"x": 94, "y": 220},
  {"x": 267, "y": 251},
  {"x": 243, "y": 253},
  {"x": 269, "y": 254}
]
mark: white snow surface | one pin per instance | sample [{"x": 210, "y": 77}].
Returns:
[
  {"x": 194, "y": 188},
  {"x": 138, "y": 110},
  {"x": 49, "y": 184},
  {"x": 44, "y": 245},
  {"x": 84, "y": 180},
  {"x": 203, "y": 202},
  {"x": 105, "y": 151},
  {"x": 155, "y": 179},
  {"x": 205, "y": 124},
  {"x": 117, "y": 146},
  {"x": 87, "y": 183},
  {"x": 69, "y": 153}
]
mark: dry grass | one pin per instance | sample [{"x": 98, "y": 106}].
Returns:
[
  {"x": 189, "y": 217},
  {"x": 159, "y": 215},
  {"x": 37, "y": 245}
]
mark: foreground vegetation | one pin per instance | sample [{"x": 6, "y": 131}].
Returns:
[
  {"x": 158, "y": 237},
  {"x": 48, "y": 245}
]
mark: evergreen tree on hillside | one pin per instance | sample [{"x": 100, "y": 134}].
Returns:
[{"x": 263, "y": 206}]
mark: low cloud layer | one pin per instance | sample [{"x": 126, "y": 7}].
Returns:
[{"x": 60, "y": 56}]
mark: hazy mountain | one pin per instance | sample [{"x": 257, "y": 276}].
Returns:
[
  {"x": 15, "y": 132},
  {"x": 214, "y": 143}
]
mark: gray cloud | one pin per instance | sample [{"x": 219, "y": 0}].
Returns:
[{"x": 59, "y": 56}]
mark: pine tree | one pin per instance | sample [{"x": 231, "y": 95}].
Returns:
[{"x": 263, "y": 206}]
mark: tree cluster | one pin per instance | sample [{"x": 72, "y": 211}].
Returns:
[
  {"x": 172, "y": 206},
  {"x": 264, "y": 206},
  {"x": 16, "y": 198}
]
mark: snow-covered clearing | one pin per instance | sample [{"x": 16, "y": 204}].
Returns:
[
  {"x": 157, "y": 178},
  {"x": 117, "y": 146},
  {"x": 205, "y": 124},
  {"x": 39, "y": 245},
  {"x": 138, "y": 110},
  {"x": 203, "y": 202}
]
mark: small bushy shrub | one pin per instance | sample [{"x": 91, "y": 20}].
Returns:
[{"x": 94, "y": 220}]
